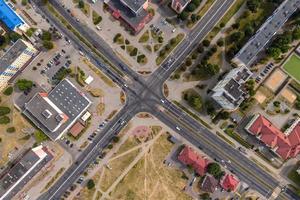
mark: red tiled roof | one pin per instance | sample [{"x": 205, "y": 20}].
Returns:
[
  {"x": 285, "y": 146},
  {"x": 229, "y": 182},
  {"x": 76, "y": 129},
  {"x": 189, "y": 157}
]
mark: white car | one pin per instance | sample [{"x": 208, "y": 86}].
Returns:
[{"x": 178, "y": 128}]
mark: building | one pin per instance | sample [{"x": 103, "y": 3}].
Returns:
[
  {"x": 133, "y": 13},
  {"x": 11, "y": 19},
  {"x": 229, "y": 182},
  {"x": 298, "y": 50},
  {"x": 55, "y": 112},
  {"x": 179, "y": 5},
  {"x": 15, "y": 59},
  {"x": 198, "y": 162},
  {"x": 229, "y": 93},
  {"x": 285, "y": 144},
  {"x": 23, "y": 171},
  {"x": 76, "y": 129},
  {"x": 250, "y": 50},
  {"x": 209, "y": 184}
]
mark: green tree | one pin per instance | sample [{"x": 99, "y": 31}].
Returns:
[
  {"x": 205, "y": 196},
  {"x": 191, "y": 7},
  {"x": 206, "y": 43},
  {"x": 4, "y": 120},
  {"x": 24, "y": 2},
  {"x": 236, "y": 36},
  {"x": 46, "y": 36},
  {"x": 214, "y": 169},
  {"x": 48, "y": 45},
  {"x": 183, "y": 15},
  {"x": 2, "y": 40},
  {"x": 4, "y": 110},
  {"x": 274, "y": 52},
  {"x": 90, "y": 184},
  {"x": 24, "y": 84},
  {"x": 81, "y": 4},
  {"x": 296, "y": 33},
  {"x": 8, "y": 91},
  {"x": 11, "y": 129},
  {"x": 253, "y": 5}
]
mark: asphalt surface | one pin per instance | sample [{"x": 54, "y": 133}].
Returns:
[{"x": 147, "y": 96}]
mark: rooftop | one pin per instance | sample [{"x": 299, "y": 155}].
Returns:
[
  {"x": 133, "y": 19},
  {"x": 13, "y": 52},
  {"x": 24, "y": 167},
  {"x": 250, "y": 50},
  {"x": 9, "y": 17},
  {"x": 76, "y": 129},
  {"x": 229, "y": 182},
  {"x": 134, "y": 5},
  {"x": 285, "y": 144},
  {"x": 57, "y": 111},
  {"x": 189, "y": 157},
  {"x": 209, "y": 184}
]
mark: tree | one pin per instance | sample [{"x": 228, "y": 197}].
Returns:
[
  {"x": 8, "y": 91},
  {"x": 4, "y": 110},
  {"x": 46, "y": 36},
  {"x": 24, "y": 84},
  {"x": 193, "y": 99},
  {"x": 14, "y": 36},
  {"x": 4, "y": 120},
  {"x": 11, "y": 129},
  {"x": 248, "y": 30},
  {"x": 90, "y": 184},
  {"x": 48, "y": 45},
  {"x": 2, "y": 40},
  {"x": 196, "y": 2},
  {"x": 205, "y": 196},
  {"x": 24, "y": 2},
  {"x": 274, "y": 52},
  {"x": 206, "y": 43},
  {"x": 236, "y": 36},
  {"x": 81, "y": 4},
  {"x": 296, "y": 33},
  {"x": 191, "y": 7},
  {"x": 220, "y": 42},
  {"x": 183, "y": 15},
  {"x": 214, "y": 169},
  {"x": 253, "y": 5}
]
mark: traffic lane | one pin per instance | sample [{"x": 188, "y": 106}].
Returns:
[
  {"x": 263, "y": 189},
  {"x": 89, "y": 154},
  {"x": 214, "y": 138},
  {"x": 94, "y": 39}
]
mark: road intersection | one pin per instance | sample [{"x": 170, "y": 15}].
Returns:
[{"x": 147, "y": 96}]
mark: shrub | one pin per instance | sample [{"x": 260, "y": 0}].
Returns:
[
  {"x": 8, "y": 91},
  {"x": 116, "y": 139},
  {"x": 206, "y": 43},
  {"x": 220, "y": 42},
  {"x": 90, "y": 184},
  {"x": 11, "y": 129},
  {"x": 4, "y": 120},
  {"x": 4, "y": 110}
]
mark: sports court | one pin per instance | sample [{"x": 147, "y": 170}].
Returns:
[{"x": 275, "y": 80}]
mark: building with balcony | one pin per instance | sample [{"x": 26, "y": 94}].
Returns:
[{"x": 229, "y": 93}]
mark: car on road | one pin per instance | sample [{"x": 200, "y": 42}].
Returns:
[{"x": 178, "y": 128}]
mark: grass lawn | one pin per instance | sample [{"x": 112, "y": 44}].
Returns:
[
  {"x": 145, "y": 37},
  {"x": 150, "y": 178},
  {"x": 292, "y": 67}
]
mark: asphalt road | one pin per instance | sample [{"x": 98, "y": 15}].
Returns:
[{"x": 147, "y": 96}]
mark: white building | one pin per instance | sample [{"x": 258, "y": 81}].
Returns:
[
  {"x": 228, "y": 93},
  {"x": 17, "y": 57}
]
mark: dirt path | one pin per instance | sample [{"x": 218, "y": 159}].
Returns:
[{"x": 146, "y": 147}]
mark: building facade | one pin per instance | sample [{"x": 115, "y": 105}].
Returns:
[
  {"x": 15, "y": 59},
  {"x": 229, "y": 93},
  {"x": 179, "y": 5}
]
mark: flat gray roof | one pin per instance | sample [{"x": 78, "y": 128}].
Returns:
[
  {"x": 10, "y": 56},
  {"x": 250, "y": 50},
  {"x": 58, "y": 110},
  {"x": 23, "y": 171}
]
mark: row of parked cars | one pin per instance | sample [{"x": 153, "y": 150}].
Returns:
[{"x": 263, "y": 73}]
